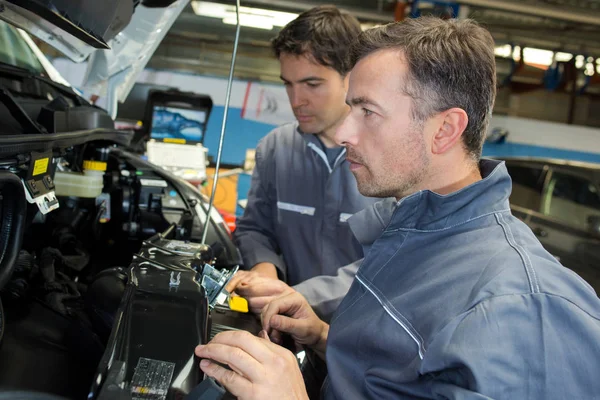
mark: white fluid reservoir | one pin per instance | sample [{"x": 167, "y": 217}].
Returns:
[{"x": 88, "y": 184}]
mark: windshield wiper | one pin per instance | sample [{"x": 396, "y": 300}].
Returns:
[
  {"x": 26, "y": 73},
  {"x": 18, "y": 113},
  {"x": 6, "y": 66}
]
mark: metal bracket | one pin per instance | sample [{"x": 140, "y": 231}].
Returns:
[
  {"x": 214, "y": 282},
  {"x": 46, "y": 202}
]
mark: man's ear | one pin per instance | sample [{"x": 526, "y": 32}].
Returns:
[{"x": 453, "y": 123}]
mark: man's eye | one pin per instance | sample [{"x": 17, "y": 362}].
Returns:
[
  {"x": 366, "y": 112},
  {"x": 313, "y": 85}
]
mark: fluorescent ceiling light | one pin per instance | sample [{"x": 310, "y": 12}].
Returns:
[
  {"x": 503, "y": 51},
  {"x": 563, "y": 57},
  {"x": 535, "y": 56},
  {"x": 589, "y": 69},
  {"x": 516, "y": 53},
  {"x": 251, "y": 17}
]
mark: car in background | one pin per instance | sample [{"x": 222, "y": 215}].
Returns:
[{"x": 560, "y": 201}]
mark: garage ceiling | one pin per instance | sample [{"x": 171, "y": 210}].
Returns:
[{"x": 203, "y": 45}]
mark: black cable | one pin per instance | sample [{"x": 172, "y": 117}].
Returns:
[
  {"x": 1, "y": 321},
  {"x": 9, "y": 162},
  {"x": 164, "y": 249},
  {"x": 79, "y": 159},
  {"x": 12, "y": 223},
  {"x": 17, "y": 160},
  {"x": 160, "y": 265}
]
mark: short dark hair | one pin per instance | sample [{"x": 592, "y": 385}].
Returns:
[
  {"x": 324, "y": 32},
  {"x": 451, "y": 63}
]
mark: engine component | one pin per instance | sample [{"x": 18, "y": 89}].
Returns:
[
  {"x": 17, "y": 287},
  {"x": 172, "y": 286},
  {"x": 151, "y": 193},
  {"x": 214, "y": 282},
  {"x": 195, "y": 256},
  {"x": 57, "y": 286},
  {"x": 87, "y": 185},
  {"x": 12, "y": 223},
  {"x": 149, "y": 204},
  {"x": 39, "y": 186},
  {"x": 156, "y": 330},
  {"x": 205, "y": 254}
]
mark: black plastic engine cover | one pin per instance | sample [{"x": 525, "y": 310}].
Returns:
[{"x": 150, "y": 353}]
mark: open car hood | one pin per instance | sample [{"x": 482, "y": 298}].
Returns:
[{"x": 117, "y": 37}]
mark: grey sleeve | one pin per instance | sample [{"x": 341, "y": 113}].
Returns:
[
  {"x": 325, "y": 293},
  {"x": 530, "y": 346},
  {"x": 255, "y": 230}
]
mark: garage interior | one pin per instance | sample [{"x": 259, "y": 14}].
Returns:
[
  {"x": 558, "y": 40},
  {"x": 135, "y": 199},
  {"x": 203, "y": 45},
  {"x": 546, "y": 54}
]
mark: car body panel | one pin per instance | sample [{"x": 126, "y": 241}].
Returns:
[{"x": 556, "y": 199}]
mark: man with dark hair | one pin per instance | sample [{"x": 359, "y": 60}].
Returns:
[
  {"x": 456, "y": 298},
  {"x": 302, "y": 192}
]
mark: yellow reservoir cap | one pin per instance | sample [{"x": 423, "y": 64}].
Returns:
[
  {"x": 94, "y": 165},
  {"x": 174, "y": 140},
  {"x": 239, "y": 304}
]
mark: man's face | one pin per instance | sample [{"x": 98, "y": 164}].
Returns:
[
  {"x": 317, "y": 93},
  {"x": 387, "y": 150}
]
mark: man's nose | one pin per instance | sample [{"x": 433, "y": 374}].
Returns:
[
  {"x": 297, "y": 98},
  {"x": 344, "y": 132}
]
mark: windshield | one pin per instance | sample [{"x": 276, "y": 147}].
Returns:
[{"x": 15, "y": 51}]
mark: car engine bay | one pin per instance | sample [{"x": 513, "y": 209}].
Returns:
[{"x": 85, "y": 264}]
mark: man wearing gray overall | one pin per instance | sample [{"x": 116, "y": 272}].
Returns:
[
  {"x": 456, "y": 298},
  {"x": 302, "y": 192}
]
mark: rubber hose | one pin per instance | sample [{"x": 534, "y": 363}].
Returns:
[
  {"x": 14, "y": 208},
  {"x": 1, "y": 321}
]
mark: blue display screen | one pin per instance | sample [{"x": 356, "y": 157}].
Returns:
[{"x": 178, "y": 123}]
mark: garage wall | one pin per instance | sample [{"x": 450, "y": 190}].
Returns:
[
  {"x": 256, "y": 108},
  {"x": 549, "y": 106}
]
